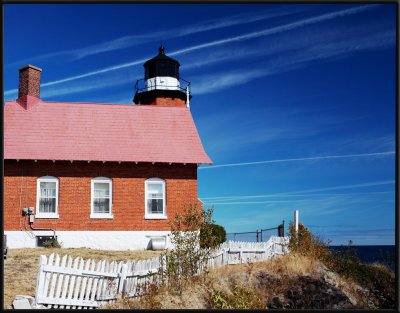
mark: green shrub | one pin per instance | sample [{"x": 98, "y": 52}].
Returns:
[
  {"x": 217, "y": 232},
  {"x": 52, "y": 243},
  {"x": 187, "y": 259}
]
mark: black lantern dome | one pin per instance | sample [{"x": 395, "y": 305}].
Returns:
[
  {"x": 162, "y": 66},
  {"x": 161, "y": 80}
]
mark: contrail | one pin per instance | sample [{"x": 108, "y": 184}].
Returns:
[
  {"x": 279, "y": 29},
  {"x": 379, "y": 183},
  {"x": 301, "y": 159},
  {"x": 274, "y": 30},
  {"x": 295, "y": 195}
]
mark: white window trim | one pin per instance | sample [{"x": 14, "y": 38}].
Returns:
[
  {"x": 101, "y": 215},
  {"x": 153, "y": 216},
  {"x": 46, "y": 179}
]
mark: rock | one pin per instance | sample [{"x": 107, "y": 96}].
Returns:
[
  {"x": 26, "y": 302},
  {"x": 265, "y": 280},
  {"x": 306, "y": 292},
  {"x": 23, "y": 304}
]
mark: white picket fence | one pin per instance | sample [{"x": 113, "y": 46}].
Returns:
[{"x": 64, "y": 283}]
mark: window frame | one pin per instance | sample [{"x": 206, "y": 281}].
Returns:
[
  {"x": 46, "y": 179},
  {"x": 93, "y": 214},
  {"x": 155, "y": 216}
]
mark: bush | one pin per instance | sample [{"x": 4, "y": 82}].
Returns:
[
  {"x": 187, "y": 259},
  {"x": 51, "y": 243},
  {"x": 307, "y": 244},
  {"x": 380, "y": 281},
  {"x": 217, "y": 232}
]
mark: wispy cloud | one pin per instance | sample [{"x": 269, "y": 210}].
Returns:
[
  {"x": 98, "y": 83},
  {"x": 339, "y": 187},
  {"x": 290, "y": 60},
  {"x": 137, "y": 39},
  {"x": 247, "y": 36},
  {"x": 387, "y": 153},
  {"x": 348, "y": 194},
  {"x": 279, "y": 29}
]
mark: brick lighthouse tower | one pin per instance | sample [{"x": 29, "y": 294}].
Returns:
[{"x": 162, "y": 85}]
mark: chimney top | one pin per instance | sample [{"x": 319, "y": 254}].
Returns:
[
  {"x": 30, "y": 66},
  {"x": 29, "y": 85}
]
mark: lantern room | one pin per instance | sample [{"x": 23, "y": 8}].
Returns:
[{"x": 161, "y": 81}]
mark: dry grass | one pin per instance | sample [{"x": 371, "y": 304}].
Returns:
[
  {"x": 202, "y": 293},
  {"x": 224, "y": 280},
  {"x": 22, "y": 265}
]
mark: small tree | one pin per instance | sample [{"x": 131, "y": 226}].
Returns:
[
  {"x": 187, "y": 258},
  {"x": 216, "y": 232},
  {"x": 305, "y": 243}
]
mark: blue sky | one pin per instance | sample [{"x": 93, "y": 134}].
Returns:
[{"x": 294, "y": 103}]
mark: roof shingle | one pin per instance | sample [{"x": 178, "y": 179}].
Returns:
[{"x": 101, "y": 132}]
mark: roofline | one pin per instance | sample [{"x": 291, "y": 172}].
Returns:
[
  {"x": 107, "y": 161},
  {"x": 99, "y": 103}
]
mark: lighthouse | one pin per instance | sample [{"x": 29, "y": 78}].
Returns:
[{"x": 162, "y": 85}]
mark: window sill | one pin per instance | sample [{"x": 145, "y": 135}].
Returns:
[
  {"x": 155, "y": 217},
  {"x": 102, "y": 216},
  {"x": 38, "y": 215}
]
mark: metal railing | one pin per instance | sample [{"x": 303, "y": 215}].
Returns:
[
  {"x": 258, "y": 235},
  {"x": 141, "y": 86}
]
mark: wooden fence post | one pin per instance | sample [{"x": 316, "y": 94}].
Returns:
[
  {"x": 41, "y": 279},
  {"x": 122, "y": 279}
]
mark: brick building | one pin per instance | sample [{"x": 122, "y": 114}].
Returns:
[{"x": 107, "y": 176}]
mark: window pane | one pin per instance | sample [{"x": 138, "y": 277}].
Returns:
[
  {"x": 154, "y": 190},
  {"x": 155, "y": 206},
  {"x": 101, "y": 190},
  {"x": 47, "y": 205},
  {"x": 47, "y": 189},
  {"x": 101, "y": 205}
]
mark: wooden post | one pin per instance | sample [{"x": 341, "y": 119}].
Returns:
[
  {"x": 41, "y": 279},
  {"x": 122, "y": 279}
]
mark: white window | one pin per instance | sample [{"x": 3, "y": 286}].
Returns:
[
  {"x": 155, "y": 199},
  {"x": 101, "y": 199},
  {"x": 47, "y": 197}
]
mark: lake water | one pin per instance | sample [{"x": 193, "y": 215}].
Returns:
[{"x": 370, "y": 254}]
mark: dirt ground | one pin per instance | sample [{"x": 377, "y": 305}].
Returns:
[{"x": 22, "y": 265}]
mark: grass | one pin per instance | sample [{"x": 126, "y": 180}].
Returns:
[
  {"x": 22, "y": 265},
  {"x": 244, "y": 286},
  {"x": 228, "y": 287}
]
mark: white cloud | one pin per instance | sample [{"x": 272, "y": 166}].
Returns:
[
  {"x": 137, "y": 39},
  {"x": 234, "y": 78}
]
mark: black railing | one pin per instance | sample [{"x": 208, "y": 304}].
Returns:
[
  {"x": 140, "y": 86},
  {"x": 258, "y": 235}
]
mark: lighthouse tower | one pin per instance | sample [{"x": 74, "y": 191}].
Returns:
[{"x": 162, "y": 85}]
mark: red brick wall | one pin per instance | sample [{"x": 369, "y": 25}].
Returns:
[
  {"x": 168, "y": 102},
  {"x": 75, "y": 188}
]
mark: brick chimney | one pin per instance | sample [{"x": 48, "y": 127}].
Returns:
[{"x": 29, "y": 85}]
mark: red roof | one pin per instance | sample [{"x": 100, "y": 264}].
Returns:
[{"x": 101, "y": 132}]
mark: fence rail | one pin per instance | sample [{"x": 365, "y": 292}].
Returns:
[
  {"x": 65, "y": 283},
  {"x": 258, "y": 235}
]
